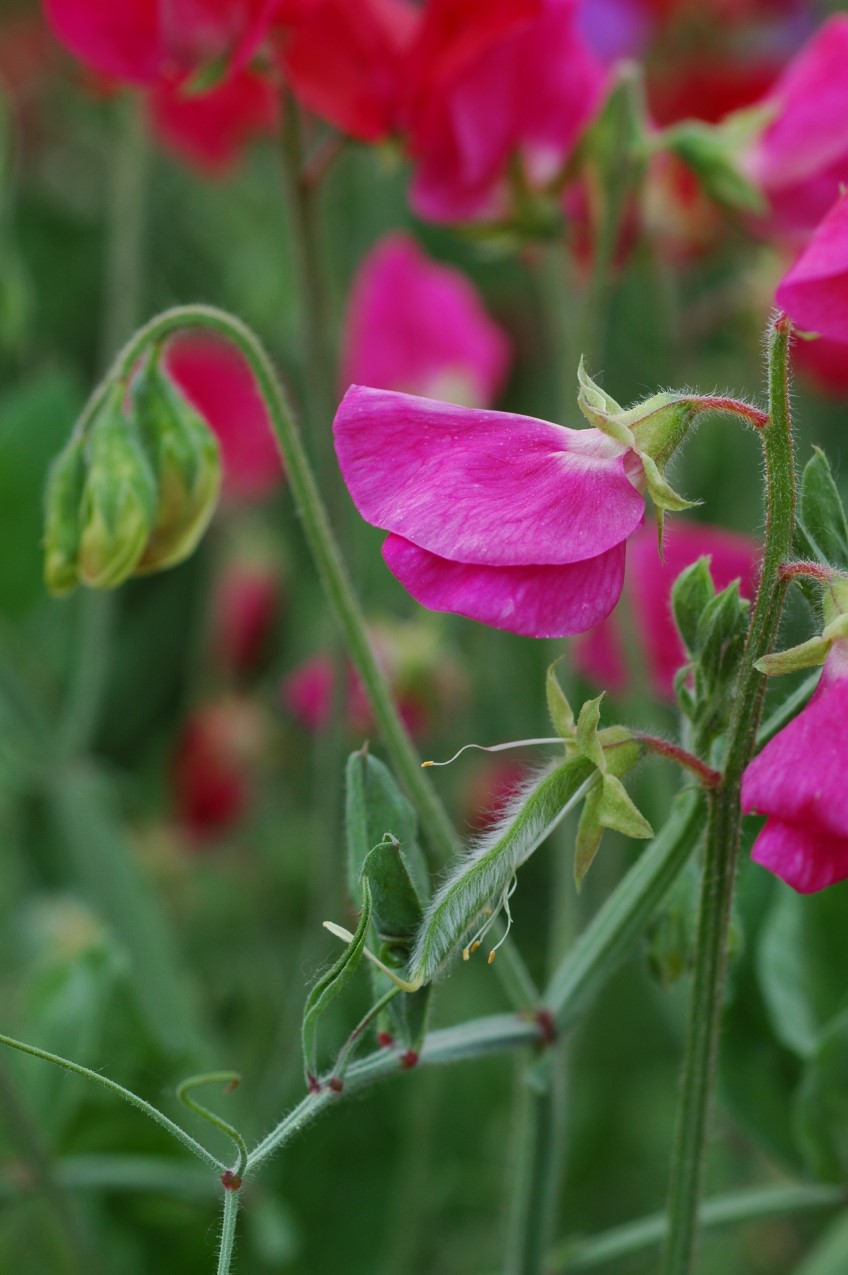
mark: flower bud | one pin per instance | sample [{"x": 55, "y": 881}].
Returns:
[
  {"x": 62, "y": 528},
  {"x": 186, "y": 465},
  {"x": 118, "y": 500}
]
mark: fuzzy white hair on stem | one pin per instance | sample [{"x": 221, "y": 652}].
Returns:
[{"x": 481, "y": 878}]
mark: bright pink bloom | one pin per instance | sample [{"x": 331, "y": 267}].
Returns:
[
  {"x": 216, "y": 379},
  {"x": 416, "y": 326},
  {"x": 802, "y": 157},
  {"x": 346, "y": 61},
  {"x": 798, "y": 782},
  {"x": 512, "y": 521},
  {"x": 601, "y": 654},
  {"x": 211, "y": 129},
  {"x": 815, "y": 291},
  {"x": 157, "y": 41},
  {"x": 523, "y": 90}
]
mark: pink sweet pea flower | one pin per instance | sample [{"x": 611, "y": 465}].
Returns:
[
  {"x": 416, "y": 326},
  {"x": 815, "y": 291},
  {"x": 798, "y": 782},
  {"x": 600, "y": 655},
  {"x": 211, "y": 129},
  {"x": 346, "y": 62},
  {"x": 159, "y": 41},
  {"x": 527, "y": 91},
  {"x": 218, "y": 382},
  {"x": 512, "y": 521},
  {"x": 802, "y": 157}
]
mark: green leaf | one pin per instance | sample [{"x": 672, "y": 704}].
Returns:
[
  {"x": 822, "y": 1108},
  {"x": 821, "y": 513},
  {"x": 374, "y": 805},
  {"x": 479, "y": 880},
  {"x": 559, "y": 709},
  {"x": 830, "y": 1255},
  {"x": 801, "y": 961},
  {"x": 588, "y": 744},
  {"x": 332, "y": 983},
  {"x": 589, "y": 836},
  {"x": 396, "y": 906},
  {"x": 691, "y": 593}
]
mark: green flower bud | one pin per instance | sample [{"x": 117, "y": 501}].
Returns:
[
  {"x": 62, "y": 529},
  {"x": 186, "y": 464},
  {"x": 119, "y": 499}
]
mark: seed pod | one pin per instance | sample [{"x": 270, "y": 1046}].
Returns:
[
  {"x": 186, "y": 463},
  {"x": 62, "y": 529},
  {"x": 119, "y": 499}
]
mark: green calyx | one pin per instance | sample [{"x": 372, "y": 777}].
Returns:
[
  {"x": 613, "y": 751},
  {"x": 814, "y": 652}
]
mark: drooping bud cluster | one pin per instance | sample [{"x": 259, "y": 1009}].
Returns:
[{"x": 134, "y": 490}]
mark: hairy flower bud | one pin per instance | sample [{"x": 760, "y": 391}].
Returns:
[
  {"x": 62, "y": 518},
  {"x": 118, "y": 500},
  {"x": 186, "y": 465}
]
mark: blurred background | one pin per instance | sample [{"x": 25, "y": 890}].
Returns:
[{"x": 171, "y": 754}]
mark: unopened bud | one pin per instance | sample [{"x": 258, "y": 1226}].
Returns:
[
  {"x": 62, "y": 502},
  {"x": 186, "y": 464},
  {"x": 119, "y": 500}
]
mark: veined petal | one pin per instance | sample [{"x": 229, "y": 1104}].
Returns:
[
  {"x": 534, "y": 601},
  {"x": 491, "y": 488},
  {"x": 804, "y": 857},
  {"x": 799, "y": 777}
]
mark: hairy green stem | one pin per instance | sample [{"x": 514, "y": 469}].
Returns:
[
  {"x": 756, "y": 1205},
  {"x": 584, "y": 971},
  {"x": 319, "y": 534},
  {"x": 725, "y": 822},
  {"x": 128, "y": 1096},
  {"x": 535, "y": 1171},
  {"x": 228, "y": 1231}
]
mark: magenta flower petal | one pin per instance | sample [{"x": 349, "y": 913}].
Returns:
[
  {"x": 536, "y": 601},
  {"x": 420, "y": 327},
  {"x": 815, "y": 291},
  {"x": 800, "y": 775},
  {"x": 803, "y": 857},
  {"x": 490, "y": 488}
]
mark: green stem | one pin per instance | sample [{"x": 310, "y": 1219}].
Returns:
[
  {"x": 536, "y": 1168},
  {"x": 756, "y": 1205},
  {"x": 590, "y": 963},
  {"x": 319, "y": 534},
  {"x": 128, "y": 1096},
  {"x": 626, "y": 912},
  {"x": 228, "y": 1232},
  {"x": 304, "y": 226},
  {"x": 724, "y": 828}
]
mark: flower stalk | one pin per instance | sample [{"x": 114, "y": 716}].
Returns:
[{"x": 725, "y": 821}]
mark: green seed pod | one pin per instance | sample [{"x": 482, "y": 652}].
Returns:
[
  {"x": 62, "y": 528},
  {"x": 119, "y": 499},
  {"x": 186, "y": 463}
]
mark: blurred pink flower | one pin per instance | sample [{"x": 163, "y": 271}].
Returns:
[
  {"x": 214, "y": 764},
  {"x": 802, "y": 156},
  {"x": 825, "y": 363},
  {"x": 211, "y": 129},
  {"x": 496, "y": 92},
  {"x": 815, "y": 291},
  {"x": 216, "y": 379},
  {"x": 512, "y": 521},
  {"x": 416, "y": 326},
  {"x": 346, "y": 62},
  {"x": 159, "y": 41},
  {"x": 246, "y": 604},
  {"x": 798, "y": 782},
  {"x": 601, "y": 654}
]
